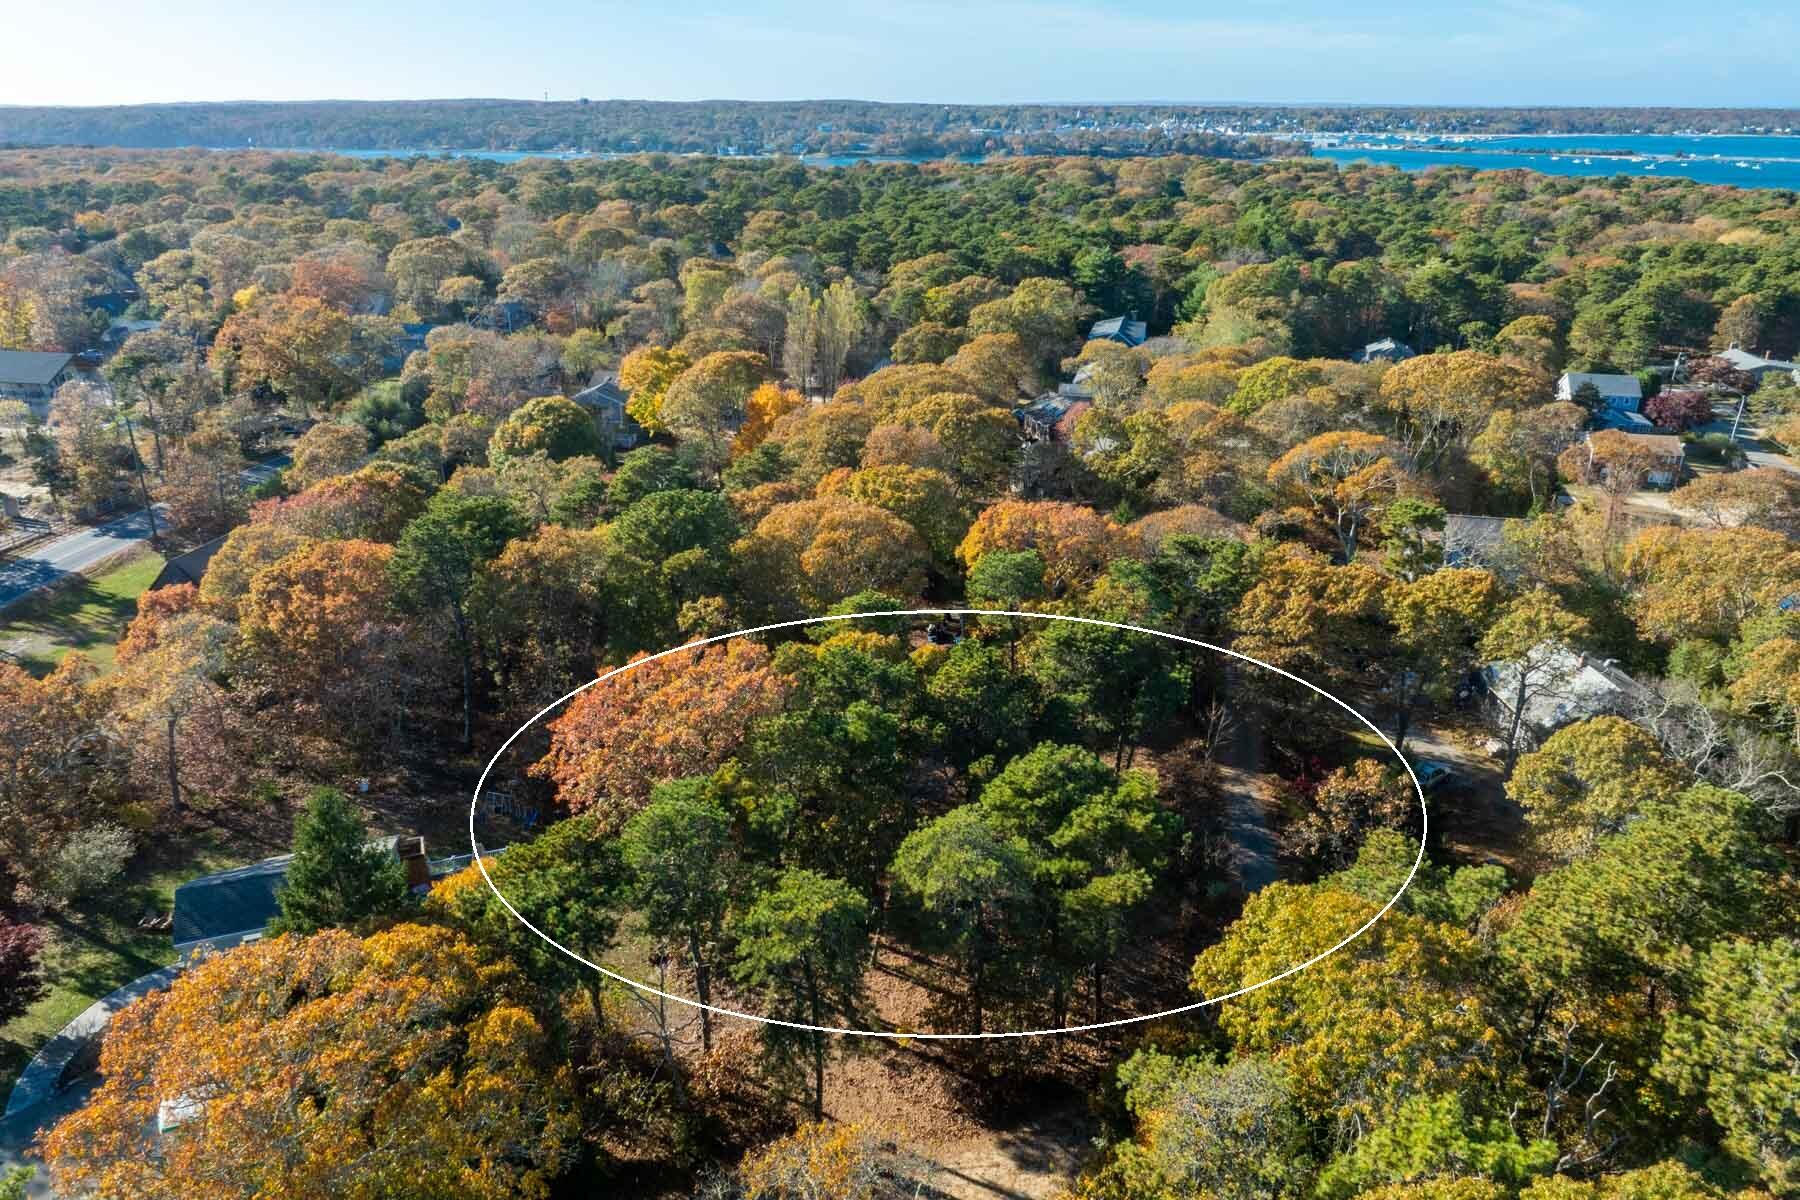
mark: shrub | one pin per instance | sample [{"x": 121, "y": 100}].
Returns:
[{"x": 88, "y": 860}]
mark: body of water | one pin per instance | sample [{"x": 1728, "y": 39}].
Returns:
[
  {"x": 1741, "y": 160},
  {"x": 1768, "y": 161}
]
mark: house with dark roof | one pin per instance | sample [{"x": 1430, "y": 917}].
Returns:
[
  {"x": 33, "y": 376},
  {"x": 189, "y": 567},
  {"x": 226, "y": 909},
  {"x": 1387, "y": 350},
  {"x": 1040, "y": 419},
  {"x": 1126, "y": 330},
  {"x": 1616, "y": 391},
  {"x": 606, "y": 400}
]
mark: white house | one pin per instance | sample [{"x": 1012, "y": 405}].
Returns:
[{"x": 1622, "y": 392}]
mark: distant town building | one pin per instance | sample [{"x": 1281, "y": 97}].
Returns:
[
  {"x": 1126, "y": 330},
  {"x": 1758, "y": 366},
  {"x": 606, "y": 400},
  {"x": 1622, "y": 392},
  {"x": 33, "y": 376},
  {"x": 1386, "y": 350}
]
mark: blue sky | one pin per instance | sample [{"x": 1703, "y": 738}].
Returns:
[{"x": 1735, "y": 52}]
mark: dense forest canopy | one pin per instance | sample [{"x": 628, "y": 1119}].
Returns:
[
  {"x": 544, "y": 418},
  {"x": 818, "y": 126}
]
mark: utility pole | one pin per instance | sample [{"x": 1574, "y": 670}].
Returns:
[
  {"x": 143, "y": 485},
  {"x": 1743, "y": 398}
]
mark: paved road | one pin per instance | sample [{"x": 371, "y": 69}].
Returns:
[
  {"x": 1750, "y": 439},
  {"x": 51, "y": 561}
]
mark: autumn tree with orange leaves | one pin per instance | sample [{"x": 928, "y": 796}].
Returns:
[
  {"x": 1702, "y": 583},
  {"x": 676, "y": 716},
  {"x": 1440, "y": 401},
  {"x": 319, "y": 630},
  {"x": 804, "y": 556},
  {"x": 293, "y": 346},
  {"x": 1074, "y": 541},
  {"x": 329, "y": 1068}
]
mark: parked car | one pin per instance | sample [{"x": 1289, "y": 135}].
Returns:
[{"x": 1435, "y": 776}]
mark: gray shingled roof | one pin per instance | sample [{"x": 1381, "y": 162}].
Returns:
[
  {"x": 1467, "y": 535},
  {"x": 189, "y": 567},
  {"x": 231, "y": 902},
  {"x": 605, "y": 391},
  {"x": 1132, "y": 332},
  {"x": 34, "y": 368},
  {"x": 234, "y": 902},
  {"x": 1607, "y": 385},
  {"x": 1743, "y": 360}
]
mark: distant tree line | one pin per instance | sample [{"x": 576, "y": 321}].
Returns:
[{"x": 815, "y": 126}]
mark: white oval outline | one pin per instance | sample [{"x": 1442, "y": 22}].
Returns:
[{"x": 475, "y": 800}]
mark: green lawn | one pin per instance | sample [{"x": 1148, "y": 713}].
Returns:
[
  {"x": 99, "y": 947},
  {"x": 85, "y": 617}
]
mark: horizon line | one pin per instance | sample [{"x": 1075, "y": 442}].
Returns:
[{"x": 1152, "y": 103}]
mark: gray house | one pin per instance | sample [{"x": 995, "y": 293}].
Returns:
[
  {"x": 1563, "y": 686},
  {"x": 33, "y": 376},
  {"x": 605, "y": 399},
  {"x": 1757, "y": 365}
]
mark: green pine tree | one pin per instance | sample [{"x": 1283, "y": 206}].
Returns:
[{"x": 336, "y": 878}]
